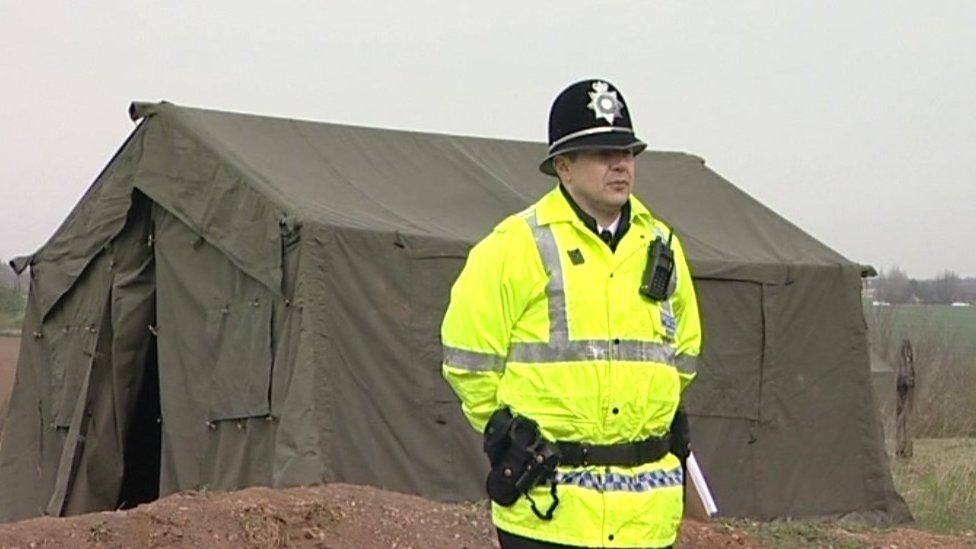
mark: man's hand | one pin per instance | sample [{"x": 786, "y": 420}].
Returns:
[{"x": 680, "y": 436}]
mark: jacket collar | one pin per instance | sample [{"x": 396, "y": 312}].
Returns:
[{"x": 555, "y": 208}]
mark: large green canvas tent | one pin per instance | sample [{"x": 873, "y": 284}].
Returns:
[{"x": 240, "y": 300}]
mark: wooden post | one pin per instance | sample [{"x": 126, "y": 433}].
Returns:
[{"x": 906, "y": 401}]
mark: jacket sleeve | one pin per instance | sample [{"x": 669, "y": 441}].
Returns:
[
  {"x": 476, "y": 330},
  {"x": 688, "y": 337}
]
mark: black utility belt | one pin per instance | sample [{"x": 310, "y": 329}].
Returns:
[
  {"x": 521, "y": 458},
  {"x": 627, "y": 454}
]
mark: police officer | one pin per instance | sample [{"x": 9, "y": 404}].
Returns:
[{"x": 576, "y": 321}]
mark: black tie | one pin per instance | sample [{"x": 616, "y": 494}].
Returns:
[{"x": 606, "y": 236}]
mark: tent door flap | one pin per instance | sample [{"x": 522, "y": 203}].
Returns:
[{"x": 71, "y": 452}]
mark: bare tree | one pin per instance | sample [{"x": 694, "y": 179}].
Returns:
[
  {"x": 946, "y": 287},
  {"x": 894, "y": 286}
]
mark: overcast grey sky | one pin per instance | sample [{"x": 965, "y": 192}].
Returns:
[{"x": 855, "y": 120}]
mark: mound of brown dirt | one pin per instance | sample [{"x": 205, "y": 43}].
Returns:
[{"x": 335, "y": 516}]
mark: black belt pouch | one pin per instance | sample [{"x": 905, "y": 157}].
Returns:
[{"x": 511, "y": 445}]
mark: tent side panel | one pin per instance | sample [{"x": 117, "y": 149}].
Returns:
[
  {"x": 49, "y": 389},
  {"x": 820, "y": 450},
  {"x": 26, "y": 480},
  {"x": 79, "y": 335},
  {"x": 214, "y": 325},
  {"x": 726, "y": 450},
  {"x": 723, "y": 402},
  {"x": 395, "y": 423},
  {"x": 732, "y": 350},
  {"x": 434, "y": 266},
  {"x": 298, "y": 452}
]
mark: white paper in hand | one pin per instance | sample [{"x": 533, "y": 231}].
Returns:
[{"x": 700, "y": 496}]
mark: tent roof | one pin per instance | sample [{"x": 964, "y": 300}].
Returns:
[
  {"x": 459, "y": 187},
  {"x": 456, "y": 188}
]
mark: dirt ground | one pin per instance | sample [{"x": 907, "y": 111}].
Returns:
[
  {"x": 342, "y": 516},
  {"x": 9, "y": 348}
]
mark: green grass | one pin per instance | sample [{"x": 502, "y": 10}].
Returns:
[
  {"x": 12, "y": 304},
  {"x": 11, "y": 321},
  {"x": 939, "y": 484},
  {"x": 953, "y": 325},
  {"x": 944, "y": 343},
  {"x": 787, "y": 535}
]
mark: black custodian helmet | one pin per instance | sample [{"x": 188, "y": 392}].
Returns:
[{"x": 590, "y": 114}]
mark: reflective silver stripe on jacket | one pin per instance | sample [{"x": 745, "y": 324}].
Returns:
[
  {"x": 686, "y": 364},
  {"x": 618, "y": 482},
  {"x": 586, "y": 350},
  {"x": 473, "y": 361},
  {"x": 559, "y": 347},
  {"x": 545, "y": 240}
]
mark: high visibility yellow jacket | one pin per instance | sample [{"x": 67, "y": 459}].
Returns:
[{"x": 547, "y": 320}]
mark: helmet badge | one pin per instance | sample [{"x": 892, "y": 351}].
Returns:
[{"x": 604, "y": 103}]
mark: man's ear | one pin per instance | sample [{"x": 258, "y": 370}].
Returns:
[{"x": 561, "y": 164}]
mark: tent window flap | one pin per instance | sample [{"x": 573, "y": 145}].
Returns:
[{"x": 240, "y": 337}]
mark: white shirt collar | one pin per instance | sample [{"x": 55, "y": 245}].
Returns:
[{"x": 612, "y": 228}]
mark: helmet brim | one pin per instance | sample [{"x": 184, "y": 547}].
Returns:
[{"x": 603, "y": 141}]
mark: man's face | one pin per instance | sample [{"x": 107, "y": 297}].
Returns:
[{"x": 600, "y": 180}]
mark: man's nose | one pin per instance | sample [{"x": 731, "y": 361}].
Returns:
[{"x": 618, "y": 161}]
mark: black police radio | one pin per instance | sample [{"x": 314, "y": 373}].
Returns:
[{"x": 659, "y": 269}]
